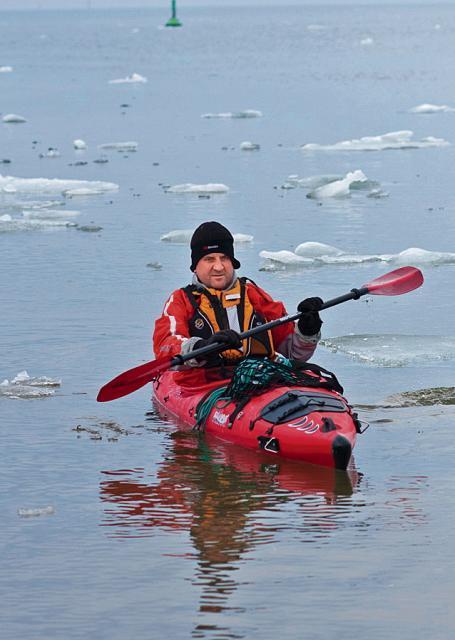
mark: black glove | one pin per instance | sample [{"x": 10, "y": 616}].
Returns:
[
  {"x": 229, "y": 338},
  {"x": 310, "y": 322}
]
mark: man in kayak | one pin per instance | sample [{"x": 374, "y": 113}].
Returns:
[{"x": 219, "y": 305}]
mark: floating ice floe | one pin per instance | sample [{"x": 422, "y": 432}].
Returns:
[
  {"x": 50, "y": 153},
  {"x": 49, "y": 214},
  {"x": 284, "y": 258},
  {"x": 178, "y": 236},
  {"x": 189, "y": 187},
  {"x": 28, "y": 205},
  {"x": 249, "y": 146},
  {"x": 392, "y": 140},
  {"x": 6, "y": 69},
  {"x": 319, "y": 254},
  {"x": 334, "y": 186},
  {"x": 13, "y": 117},
  {"x": 133, "y": 78},
  {"x": 36, "y": 512},
  {"x": 316, "y": 27},
  {"x": 83, "y": 191},
  {"x": 316, "y": 249},
  {"x": 25, "y": 387},
  {"x": 377, "y": 193},
  {"x": 431, "y": 108},
  {"x": 240, "y": 238},
  {"x": 80, "y": 145},
  {"x": 183, "y": 236},
  {"x": 119, "y": 146},
  {"x": 366, "y": 42},
  {"x": 361, "y": 182},
  {"x": 9, "y": 224},
  {"x": 414, "y": 255},
  {"x": 311, "y": 182},
  {"x": 247, "y": 113},
  {"x": 338, "y": 188},
  {"x": 423, "y": 397},
  {"x": 393, "y": 350},
  {"x": 11, "y": 184}
]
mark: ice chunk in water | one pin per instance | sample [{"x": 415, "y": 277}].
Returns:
[
  {"x": 50, "y": 153},
  {"x": 424, "y": 397},
  {"x": 378, "y": 193},
  {"x": 22, "y": 376},
  {"x": 10, "y": 184},
  {"x": 392, "y": 140},
  {"x": 249, "y": 146},
  {"x": 393, "y": 350},
  {"x": 13, "y": 117},
  {"x": 319, "y": 254},
  {"x": 79, "y": 144},
  {"x": 119, "y": 146},
  {"x": 6, "y": 69},
  {"x": 183, "y": 236},
  {"x": 179, "y": 236},
  {"x": 339, "y": 188},
  {"x": 285, "y": 257},
  {"x": 133, "y": 78},
  {"x": 83, "y": 191},
  {"x": 14, "y": 224},
  {"x": 25, "y": 387},
  {"x": 189, "y": 187},
  {"x": 313, "y": 182},
  {"x": 33, "y": 513},
  {"x": 413, "y": 255},
  {"x": 247, "y": 113},
  {"x": 431, "y": 108},
  {"x": 240, "y": 238},
  {"x": 50, "y": 214},
  {"x": 41, "y": 381},
  {"x": 316, "y": 249},
  {"x": 28, "y": 205}
]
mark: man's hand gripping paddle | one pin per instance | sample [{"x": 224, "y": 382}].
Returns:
[{"x": 394, "y": 283}]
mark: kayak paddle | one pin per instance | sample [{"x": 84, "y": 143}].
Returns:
[{"x": 394, "y": 283}]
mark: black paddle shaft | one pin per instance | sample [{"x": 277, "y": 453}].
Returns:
[{"x": 354, "y": 294}]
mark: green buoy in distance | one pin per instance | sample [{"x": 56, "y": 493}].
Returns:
[{"x": 173, "y": 20}]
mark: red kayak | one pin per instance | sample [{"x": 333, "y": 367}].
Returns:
[
  {"x": 311, "y": 424},
  {"x": 300, "y": 418}
]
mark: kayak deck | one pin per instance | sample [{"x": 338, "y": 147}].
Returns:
[{"x": 308, "y": 424}]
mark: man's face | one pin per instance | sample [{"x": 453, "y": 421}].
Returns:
[{"x": 215, "y": 270}]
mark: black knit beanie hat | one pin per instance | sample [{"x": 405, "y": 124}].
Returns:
[{"x": 212, "y": 237}]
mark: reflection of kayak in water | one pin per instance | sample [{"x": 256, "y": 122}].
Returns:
[
  {"x": 312, "y": 424},
  {"x": 285, "y": 474},
  {"x": 205, "y": 476}
]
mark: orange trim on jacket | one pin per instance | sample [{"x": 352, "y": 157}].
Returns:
[{"x": 172, "y": 328}]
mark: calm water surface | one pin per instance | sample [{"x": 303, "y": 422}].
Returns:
[{"x": 156, "y": 532}]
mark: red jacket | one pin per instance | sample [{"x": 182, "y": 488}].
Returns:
[{"x": 172, "y": 330}]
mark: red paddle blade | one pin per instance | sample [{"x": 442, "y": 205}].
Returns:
[
  {"x": 396, "y": 282},
  {"x": 133, "y": 379}
]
